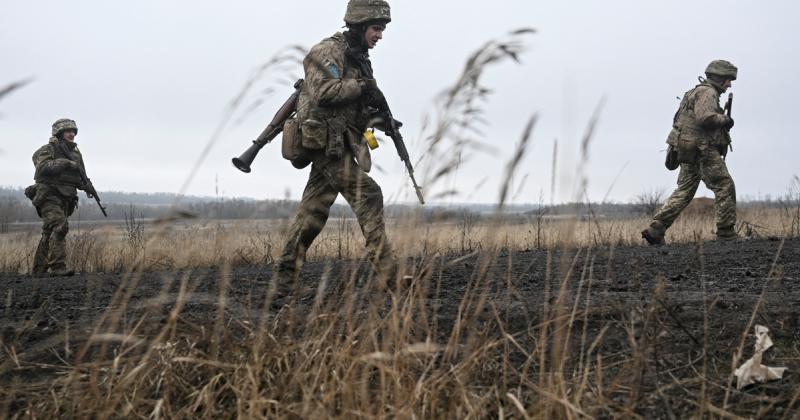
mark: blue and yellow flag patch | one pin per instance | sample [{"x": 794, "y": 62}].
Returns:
[{"x": 334, "y": 71}]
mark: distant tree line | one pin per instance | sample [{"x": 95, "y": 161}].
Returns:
[{"x": 16, "y": 208}]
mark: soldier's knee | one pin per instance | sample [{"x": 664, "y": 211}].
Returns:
[
  {"x": 731, "y": 185},
  {"x": 318, "y": 212},
  {"x": 374, "y": 197},
  {"x": 61, "y": 229},
  {"x": 727, "y": 188}
]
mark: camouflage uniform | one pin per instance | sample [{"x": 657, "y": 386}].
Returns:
[
  {"x": 701, "y": 122},
  {"x": 55, "y": 197},
  {"x": 333, "y": 112}
]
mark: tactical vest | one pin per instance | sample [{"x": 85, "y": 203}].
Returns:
[
  {"x": 686, "y": 123},
  {"x": 71, "y": 178},
  {"x": 688, "y": 136}
]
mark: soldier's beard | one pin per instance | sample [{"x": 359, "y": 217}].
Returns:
[{"x": 356, "y": 39}]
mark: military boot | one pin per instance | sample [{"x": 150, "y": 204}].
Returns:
[
  {"x": 62, "y": 272},
  {"x": 40, "y": 258},
  {"x": 286, "y": 286},
  {"x": 654, "y": 234},
  {"x": 727, "y": 234}
]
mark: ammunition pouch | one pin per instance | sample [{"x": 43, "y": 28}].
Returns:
[
  {"x": 687, "y": 150},
  {"x": 292, "y": 145},
  {"x": 336, "y": 133},
  {"x": 672, "y": 159},
  {"x": 314, "y": 134}
]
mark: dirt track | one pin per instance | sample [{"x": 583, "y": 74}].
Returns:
[{"x": 40, "y": 313}]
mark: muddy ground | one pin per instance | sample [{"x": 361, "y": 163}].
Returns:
[{"x": 43, "y": 318}]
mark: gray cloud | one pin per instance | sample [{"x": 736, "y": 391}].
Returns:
[{"x": 148, "y": 81}]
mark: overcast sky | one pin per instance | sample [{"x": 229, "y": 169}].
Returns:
[{"x": 148, "y": 82}]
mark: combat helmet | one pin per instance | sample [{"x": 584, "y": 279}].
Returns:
[
  {"x": 722, "y": 68},
  {"x": 361, "y": 11},
  {"x": 64, "y": 124}
]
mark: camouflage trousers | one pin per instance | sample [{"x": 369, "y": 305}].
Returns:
[
  {"x": 327, "y": 180},
  {"x": 711, "y": 169},
  {"x": 52, "y": 250}
]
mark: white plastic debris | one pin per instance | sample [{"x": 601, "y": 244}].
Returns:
[{"x": 753, "y": 371}]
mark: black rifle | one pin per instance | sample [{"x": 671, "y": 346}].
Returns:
[
  {"x": 87, "y": 183},
  {"x": 274, "y": 128},
  {"x": 728, "y": 110},
  {"x": 393, "y": 131},
  {"x": 390, "y": 124}
]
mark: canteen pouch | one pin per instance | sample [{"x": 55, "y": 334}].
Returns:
[
  {"x": 672, "y": 159},
  {"x": 291, "y": 145}
]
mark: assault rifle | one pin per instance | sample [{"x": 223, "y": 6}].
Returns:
[
  {"x": 274, "y": 128},
  {"x": 728, "y": 109},
  {"x": 87, "y": 183},
  {"x": 390, "y": 124},
  {"x": 392, "y": 130}
]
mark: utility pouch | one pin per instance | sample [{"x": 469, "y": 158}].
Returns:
[
  {"x": 687, "y": 149},
  {"x": 672, "y": 159},
  {"x": 336, "y": 130},
  {"x": 314, "y": 134},
  {"x": 30, "y": 192},
  {"x": 291, "y": 145}
]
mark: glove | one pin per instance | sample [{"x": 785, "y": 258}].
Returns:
[
  {"x": 89, "y": 188},
  {"x": 367, "y": 85},
  {"x": 370, "y": 92},
  {"x": 90, "y": 192},
  {"x": 379, "y": 121},
  {"x": 62, "y": 165},
  {"x": 728, "y": 123}
]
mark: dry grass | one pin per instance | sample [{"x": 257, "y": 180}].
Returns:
[
  {"x": 214, "y": 244},
  {"x": 367, "y": 353}
]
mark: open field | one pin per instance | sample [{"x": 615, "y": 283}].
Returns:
[
  {"x": 194, "y": 244},
  {"x": 583, "y": 331}
]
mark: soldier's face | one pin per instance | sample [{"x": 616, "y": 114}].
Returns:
[
  {"x": 374, "y": 34},
  {"x": 69, "y": 135},
  {"x": 727, "y": 84}
]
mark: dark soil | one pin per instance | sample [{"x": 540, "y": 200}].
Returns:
[{"x": 42, "y": 318}]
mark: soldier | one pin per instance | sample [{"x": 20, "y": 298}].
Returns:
[
  {"x": 55, "y": 197},
  {"x": 699, "y": 141},
  {"x": 334, "y": 109}
]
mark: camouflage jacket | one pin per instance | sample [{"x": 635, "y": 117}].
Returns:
[
  {"x": 53, "y": 168},
  {"x": 700, "y": 117},
  {"x": 331, "y": 110}
]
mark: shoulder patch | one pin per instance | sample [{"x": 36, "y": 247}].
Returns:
[{"x": 334, "y": 71}]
